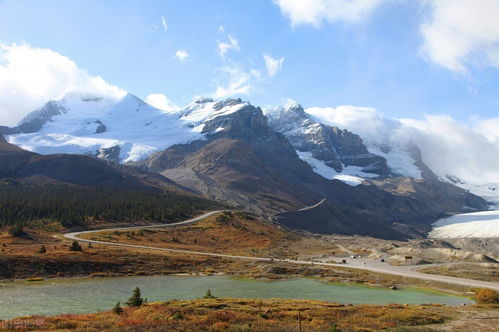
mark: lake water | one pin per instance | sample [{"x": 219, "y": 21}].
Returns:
[{"x": 93, "y": 295}]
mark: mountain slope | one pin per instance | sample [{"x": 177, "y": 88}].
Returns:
[
  {"x": 242, "y": 161},
  {"x": 338, "y": 149},
  {"x": 31, "y": 168}
]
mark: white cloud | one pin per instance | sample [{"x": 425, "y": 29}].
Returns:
[
  {"x": 182, "y": 55},
  {"x": 29, "y": 77},
  {"x": 256, "y": 74},
  {"x": 315, "y": 12},
  {"x": 231, "y": 44},
  {"x": 490, "y": 129},
  {"x": 161, "y": 102},
  {"x": 273, "y": 65},
  {"x": 448, "y": 147},
  {"x": 462, "y": 32},
  {"x": 457, "y": 34},
  {"x": 240, "y": 82},
  {"x": 367, "y": 122},
  {"x": 164, "y": 24}
]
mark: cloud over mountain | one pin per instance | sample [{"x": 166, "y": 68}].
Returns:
[
  {"x": 449, "y": 147},
  {"x": 30, "y": 76}
]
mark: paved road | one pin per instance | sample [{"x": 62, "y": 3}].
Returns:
[
  {"x": 360, "y": 264},
  {"x": 313, "y": 206}
]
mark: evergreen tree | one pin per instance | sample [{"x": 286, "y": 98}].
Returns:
[
  {"x": 17, "y": 231},
  {"x": 135, "y": 300},
  {"x": 42, "y": 250},
  {"x": 72, "y": 205},
  {"x": 75, "y": 246},
  {"x": 209, "y": 295},
  {"x": 118, "y": 309}
]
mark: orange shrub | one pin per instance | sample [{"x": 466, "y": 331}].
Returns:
[
  {"x": 486, "y": 295},
  {"x": 220, "y": 326}
]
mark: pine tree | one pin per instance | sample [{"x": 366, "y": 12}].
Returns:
[
  {"x": 135, "y": 300},
  {"x": 118, "y": 309},
  {"x": 42, "y": 250},
  {"x": 209, "y": 295},
  {"x": 75, "y": 246},
  {"x": 17, "y": 231}
]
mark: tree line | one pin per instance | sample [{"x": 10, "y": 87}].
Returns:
[{"x": 71, "y": 205}]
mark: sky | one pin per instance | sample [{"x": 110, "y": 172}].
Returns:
[{"x": 405, "y": 58}]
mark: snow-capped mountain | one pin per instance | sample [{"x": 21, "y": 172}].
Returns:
[
  {"x": 332, "y": 152},
  {"x": 231, "y": 152},
  {"x": 123, "y": 130},
  {"x": 400, "y": 145},
  {"x": 488, "y": 191},
  {"x": 128, "y": 130}
]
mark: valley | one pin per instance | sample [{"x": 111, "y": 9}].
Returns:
[
  {"x": 249, "y": 166},
  {"x": 230, "y": 233},
  {"x": 232, "y": 191},
  {"x": 247, "y": 246}
]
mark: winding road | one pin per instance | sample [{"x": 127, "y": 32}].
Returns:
[{"x": 360, "y": 264}]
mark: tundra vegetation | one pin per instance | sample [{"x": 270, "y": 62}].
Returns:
[{"x": 222, "y": 314}]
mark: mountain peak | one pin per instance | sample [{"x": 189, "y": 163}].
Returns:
[
  {"x": 295, "y": 107},
  {"x": 202, "y": 100}
]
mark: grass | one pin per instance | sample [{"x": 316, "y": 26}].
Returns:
[
  {"x": 249, "y": 315},
  {"x": 32, "y": 279},
  {"x": 234, "y": 234}
]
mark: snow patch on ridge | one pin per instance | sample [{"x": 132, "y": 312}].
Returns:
[
  {"x": 399, "y": 161},
  {"x": 379, "y": 134},
  {"x": 351, "y": 175},
  {"x": 488, "y": 191}
]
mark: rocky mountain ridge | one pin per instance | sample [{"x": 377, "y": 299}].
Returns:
[
  {"x": 274, "y": 164},
  {"x": 337, "y": 148}
]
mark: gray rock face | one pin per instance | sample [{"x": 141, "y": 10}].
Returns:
[
  {"x": 249, "y": 125},
  {"x": 110, "y": 154},
  {"x": 4, "y": 130},
  {"x": 101, "y": 128},
  {"x": 336, "y": 147},
  {"x": 34, "y": 121}
]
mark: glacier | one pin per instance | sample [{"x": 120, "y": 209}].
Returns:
[{"x": 484, "y": 224}]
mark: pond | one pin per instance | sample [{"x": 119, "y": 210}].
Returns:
[{"x": 92, "y": 295}]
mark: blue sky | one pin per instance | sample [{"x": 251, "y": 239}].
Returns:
[{"x": 374, "y": 57}]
